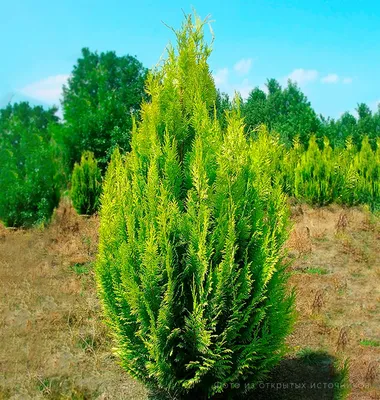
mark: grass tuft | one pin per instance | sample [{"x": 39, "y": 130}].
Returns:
[
  {"x": 370, "y": 343},
  {"x": 317, "y": 271},
  {"x": 314, "y": 357},
  {"x": 82, "y": 269}
]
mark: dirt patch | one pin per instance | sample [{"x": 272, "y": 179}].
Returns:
[
  {"x": 54, "y": 345},
  {"x": 336, "y": 272},
  {"x": 52, "y": 341}
]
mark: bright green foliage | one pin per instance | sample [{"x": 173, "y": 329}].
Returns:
[
  {"x": 348, "y": 176},
  {"x": 347, "y": 171},
  {"x": 103, "y": 92},
  {"x": 30, "y": 173},
  {"x": 345, "y": 176},
  {"x": 222, "y": 105},
  {"x": 362, "y": 176},
  {"x": 269, "y": 153},
  {"x": 287, "y": 166},
  {"x": 189, "y": 267},
  {"x": 316, "y": 178},
  {"x": 86, "y": 184}
]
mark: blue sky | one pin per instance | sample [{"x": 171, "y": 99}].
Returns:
[{"x": 331, "y": 48}]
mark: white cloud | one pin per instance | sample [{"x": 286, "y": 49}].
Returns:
[
  {"x": 303, "y": 76},
  {"x": 330, "y": 78},
  {"x": 264, "y": 88},
  {"x": 59, "y": 113},
  {"x": 340, "y": 114},
  {"x": 375, "y": 105},
  {"x": 243, "y": 66},
  {"x": 6, "y": 99},
  {"x": 354, "y": 112},
  {"x": 245, "y": 89},
  {"x": 47, "y": 90},
  {"x": 221, "y": 77},
  {"x": 347, "y": 80}
]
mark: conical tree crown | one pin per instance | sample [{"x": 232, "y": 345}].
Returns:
[{"x": 190, "y": 240}]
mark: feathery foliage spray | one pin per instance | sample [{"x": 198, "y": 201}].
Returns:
[{"x": 192, "y": 226}]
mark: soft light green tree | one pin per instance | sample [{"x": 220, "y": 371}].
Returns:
[{"x": 192, "y": 227}]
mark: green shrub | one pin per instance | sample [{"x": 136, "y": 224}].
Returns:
[
  {"x": 86, "y": 184},
  {"x": 362, "y": 176},
  {"x": 346, "y": 176},
  {"x": 287, "y": 166},
  {"x": 189, "y": 267},
  {"x": 317, "y": 180},
  {"x": 31, "y": 169}
]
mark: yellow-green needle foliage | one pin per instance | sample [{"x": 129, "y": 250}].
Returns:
[
  {"x": 362, "y": 181},
  {"x": 345, "y": 176},
  {"x": 192, "y": 226}
]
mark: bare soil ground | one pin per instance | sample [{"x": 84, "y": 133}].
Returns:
[{"x": 53, "y": 344}]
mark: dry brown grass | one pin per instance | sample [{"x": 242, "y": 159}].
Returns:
[
  {"x": 53, "y": 344},
  {"x": 340, "y": 308}
]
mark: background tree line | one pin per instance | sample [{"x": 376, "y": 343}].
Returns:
[
  {"x": 102, "y": 97},
  {"x": 288, "y": 112}
]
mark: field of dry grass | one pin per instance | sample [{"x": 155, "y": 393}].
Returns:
[{"x": 53, "y": 344}]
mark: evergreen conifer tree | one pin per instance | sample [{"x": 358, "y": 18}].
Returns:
[{"x": 192, "y": 227}]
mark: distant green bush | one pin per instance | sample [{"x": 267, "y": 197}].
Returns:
[
  {"x": 86, "y": 184},
  {"x": 316, "y": 175},
  {"x": 31, "y": 169},
  {"x": 361, "y": 183},
  {"x": 320, "y": 176},
  {"x": 347, "y": 176}
]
